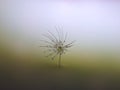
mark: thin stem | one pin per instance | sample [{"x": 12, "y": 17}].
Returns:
[{"x": 59, "y": 63}]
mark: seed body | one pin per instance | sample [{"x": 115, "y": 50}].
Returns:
[{"x": 56, "y": 45}]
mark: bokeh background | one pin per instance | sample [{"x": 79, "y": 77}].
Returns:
[{"x": 92, "y": 63}]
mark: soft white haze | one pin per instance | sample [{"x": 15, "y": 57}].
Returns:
[{"x": 91, "y": 24}]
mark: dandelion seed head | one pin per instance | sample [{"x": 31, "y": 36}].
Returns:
[{"x": 56, "y": 44}]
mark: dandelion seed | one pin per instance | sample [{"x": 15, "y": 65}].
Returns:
[{"x": 56, "y": 45}]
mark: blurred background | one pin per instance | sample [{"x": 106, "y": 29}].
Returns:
[{"x": 92, "y": 63}]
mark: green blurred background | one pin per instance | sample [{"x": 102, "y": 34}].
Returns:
[{"x": 93, "y": 63}]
